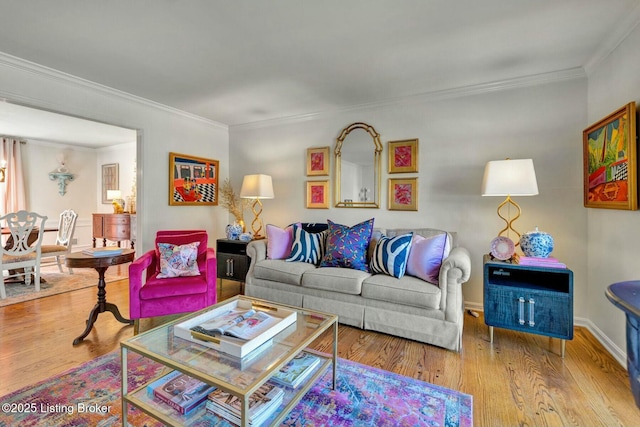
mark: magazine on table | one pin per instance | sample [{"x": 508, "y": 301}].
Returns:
[
  {"x": 245, "y": 325},
  {"x": 297, "y": 370},
  {"x": 180, "y": 391},
  {"x": 106, "y": 251},
  {"x": 262, "y": 403}
]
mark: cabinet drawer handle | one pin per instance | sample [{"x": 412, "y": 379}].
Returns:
[
  {"x": 532, "y": 305},
  {"x": 227, "y": 273},
  {"x": 521, "y": 310},
  {"x": 231, "y": 264}
]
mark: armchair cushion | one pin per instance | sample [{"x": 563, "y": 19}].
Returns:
[
  {"x": 178, "y": 260},
  {"x": 183, "y": 237}
]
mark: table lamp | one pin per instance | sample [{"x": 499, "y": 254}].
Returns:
[
  {"x": 256, "y": 187},
  {"x": 509, "y": 178}
]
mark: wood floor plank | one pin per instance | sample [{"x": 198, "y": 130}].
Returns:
[{"x": 519, "y": 379}]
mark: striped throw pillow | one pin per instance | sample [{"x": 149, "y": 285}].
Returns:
[
  {"x": 391, "y": 254},
  {"x": 307, "y": 247}
]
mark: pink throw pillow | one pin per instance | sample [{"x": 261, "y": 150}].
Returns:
[
  {"x": 426, "y": 257},
  {"x": 279, "y": 241}
]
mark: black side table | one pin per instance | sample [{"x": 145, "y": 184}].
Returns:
[{"x": 232, "y": 260}]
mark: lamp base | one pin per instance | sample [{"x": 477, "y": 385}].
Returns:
[
  {"x": 508, "y": 202},
  {"x": 256, "y": 224}
]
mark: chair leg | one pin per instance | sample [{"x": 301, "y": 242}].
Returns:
[
  {"x": 136, "y": 326},
  {"x": 37, "y": 277},
  {"x": 59, "y": 263},
  {"x": 3, "y": 292},
  {"x": 27, "y": 275}
]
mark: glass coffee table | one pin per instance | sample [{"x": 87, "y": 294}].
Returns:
[{"x": 240, "y": 377}]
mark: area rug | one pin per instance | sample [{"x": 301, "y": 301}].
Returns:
[
  {"x": 58, "y": 283},
  {"x": 89, "y": 395}
]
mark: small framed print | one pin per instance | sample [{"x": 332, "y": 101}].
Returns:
[
  {"x": 318, "y": 161},
  {"x": 110, "y": 177},
  {"x": 403, "y": 194},
  {"x": 317, "y": 194},
  {"x": 403, "y": 156}
]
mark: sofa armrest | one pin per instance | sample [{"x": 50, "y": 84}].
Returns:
[
  {"x": 454, "y": 271},
  {"x": 256, "y": 251}
]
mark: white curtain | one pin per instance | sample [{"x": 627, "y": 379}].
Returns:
[{"x": 12, "y": 191}]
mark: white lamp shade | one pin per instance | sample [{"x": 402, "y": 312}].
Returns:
[
  {"x": 515, "y": 177},
  {"x": 114, "y": 194},
  {"x": 256, "y": 187}
]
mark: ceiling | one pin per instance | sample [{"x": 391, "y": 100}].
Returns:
[{"x": 238, "y": 62}]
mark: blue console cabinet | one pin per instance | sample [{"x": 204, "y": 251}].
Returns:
[{"x": 537, "y": 300}]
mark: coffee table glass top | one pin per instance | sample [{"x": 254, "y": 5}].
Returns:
[{"x": 238, "y": 375}]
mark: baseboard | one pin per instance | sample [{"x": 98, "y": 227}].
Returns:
[{"x": 616, "y": 352}]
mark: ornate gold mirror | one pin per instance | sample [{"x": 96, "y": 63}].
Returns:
[{"x": 357, "y": 180}]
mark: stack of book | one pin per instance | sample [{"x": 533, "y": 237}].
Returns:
[
  {"x": 262, "y": 403},
  {"x": 297, "y": 370},
  {"x": 549, "y": 262},
  {"x": 179, "y": 391},
  {"x": 106, "y": 251}
]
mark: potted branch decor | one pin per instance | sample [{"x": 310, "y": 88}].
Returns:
[{"x": 232, "y": 202}]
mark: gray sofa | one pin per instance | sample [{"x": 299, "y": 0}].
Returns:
[{"x": 408, "y": 307}]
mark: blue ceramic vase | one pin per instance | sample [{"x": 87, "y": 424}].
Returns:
[
  {"x": 234, "y": 231},
  {"x": 536, "y": 244}
]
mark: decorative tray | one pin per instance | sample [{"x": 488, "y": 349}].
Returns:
[{"x": 282, "y": 318}]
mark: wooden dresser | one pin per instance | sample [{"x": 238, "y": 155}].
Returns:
[{"x": 114, "y": 227}]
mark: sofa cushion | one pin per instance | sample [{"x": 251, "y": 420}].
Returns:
[
  {"x": 425, "y": 257},
  {"x": 282, "y": 271},
  {"x": 391, "y": 254},
  {"x": 307, "y": 247},
  {"x": 347, "y": 246},
  {"x": 408, "y": 291},
  {"x": 178, "y": 260},
  {"x": 279, "y": 241},
  {"x": 335, "y": 279}
]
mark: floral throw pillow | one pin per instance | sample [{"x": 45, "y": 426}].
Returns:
[
  {"x": 347, "y": 246},
  {"x": 178, "y": 260}
]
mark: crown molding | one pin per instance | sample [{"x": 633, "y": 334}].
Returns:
[
  {"x": 52, "y": 74},
  {"x": 438, "y": 95},
  {"x": 619, "y": 33}
]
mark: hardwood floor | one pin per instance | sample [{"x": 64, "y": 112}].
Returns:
[{"x": 519, "y": 380}]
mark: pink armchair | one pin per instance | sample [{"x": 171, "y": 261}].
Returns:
[{"x": 150, "y": 296}]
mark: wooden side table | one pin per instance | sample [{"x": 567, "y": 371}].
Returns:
[
  {"x": 80, "y": 260},
  {"x": 232, "y": 260}
]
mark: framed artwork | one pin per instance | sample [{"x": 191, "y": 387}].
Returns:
[
  {"x": 403, "y": 194},
  {"x": 110, "y": 175},
  {"x": 403, "y": 156},
  {"x": 317, "y": 195},
  {"x": 609, "y": 156},
  {"x": 192, "y": 180},
  {"x": 318, "y": 161}
]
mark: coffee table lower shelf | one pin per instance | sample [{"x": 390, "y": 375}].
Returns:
[{"x": 167, "y": 415}]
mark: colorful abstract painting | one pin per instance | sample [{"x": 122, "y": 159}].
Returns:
[
  {"x": 317, "y": 195},
  {"x": 403, "y": 194},
  {"x": 403, "y": 156},
  {"x": 610, "y": 161},
  {"x": 318, "y": 161}
]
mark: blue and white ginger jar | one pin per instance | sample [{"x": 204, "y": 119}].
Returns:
[
  {"x": 234, "y": 231},
  {"x": 536, "y": 244}
]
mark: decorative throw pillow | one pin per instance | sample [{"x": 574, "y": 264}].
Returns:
[
  {"x": 426, "y": 255},
  {"x": 279, "y": 241},
  {"x": 178, "y": 260},
  {"x": 391, "y": 254},
  {"x": 307, "y": 247},
  {"x": 347, "y": 246}
]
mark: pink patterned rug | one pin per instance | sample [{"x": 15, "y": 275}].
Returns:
[{"x": 89, "y": 395}]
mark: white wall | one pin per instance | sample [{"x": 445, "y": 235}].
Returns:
[
  {"x": 39, "y": 158},
  {"x": 125, "y": 156},
  {"x": 613, "y": 236},
  {"x": 162, "y": 130},
  {"x": 457, "y": 136}
]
